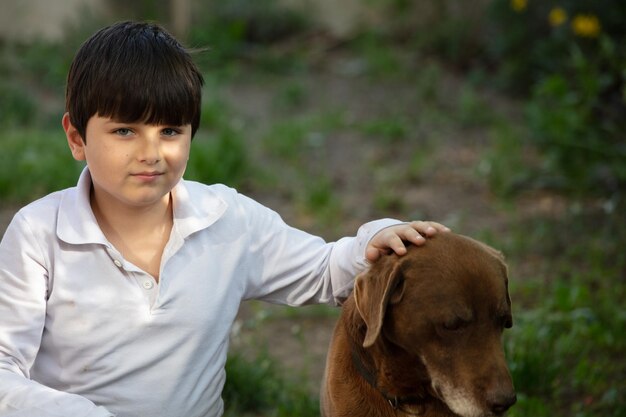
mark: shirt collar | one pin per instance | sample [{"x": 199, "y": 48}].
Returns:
[
  {"x": 76, "y": 223},
  {"x": 196, "y": 207}
]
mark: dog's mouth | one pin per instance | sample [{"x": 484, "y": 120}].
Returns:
[
  {"x": 436, "y": 392},
  {"x": 463, "y": 404}
]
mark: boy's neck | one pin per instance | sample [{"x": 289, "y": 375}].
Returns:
[
  {"x": 129, "y": 220},
  {"x": 140, "y": 234}
]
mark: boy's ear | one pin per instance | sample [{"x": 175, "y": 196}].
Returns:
[{"x": 74, "y": 139}]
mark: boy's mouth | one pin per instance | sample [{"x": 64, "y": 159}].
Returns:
[{"x": 147, "y": 175}]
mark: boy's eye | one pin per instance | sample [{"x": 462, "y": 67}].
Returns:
[
  {"x": 170, "y": 131},
  {"x": 122, "y": 131}
]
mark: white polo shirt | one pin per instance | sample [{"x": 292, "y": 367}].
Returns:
[{"x": 83, "y": 332}]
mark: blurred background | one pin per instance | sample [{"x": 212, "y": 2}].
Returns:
[{"x": 503, "y": 119}]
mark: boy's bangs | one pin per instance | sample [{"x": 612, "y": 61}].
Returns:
[{"x": 153, "y": 98}]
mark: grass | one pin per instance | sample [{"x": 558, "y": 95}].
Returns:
[
  {"x": 292, "y": 139},
  {"x": 259, "y": 386},
  {"x": 34, "y": 163},
  {"x": 558, "y": 358},
  {"x": 566, "y": 346},
  {"x": 16, "y": 108},
  {"x": 388, "y": 129}
]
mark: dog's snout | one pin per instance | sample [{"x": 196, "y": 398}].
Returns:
[{"x": 500, "y": 403}]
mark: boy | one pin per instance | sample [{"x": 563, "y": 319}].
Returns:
[{"x": 117, "y": 295}]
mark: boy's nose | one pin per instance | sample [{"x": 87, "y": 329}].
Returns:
[{"x": 150, "y": 152}]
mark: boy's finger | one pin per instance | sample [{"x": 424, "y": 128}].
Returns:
[
  {"x": 428, "y": 228},
  {"x": 414, "y": 237},
  {"x": 372, "y": 254},
  {"x": 397, "y": 245}
]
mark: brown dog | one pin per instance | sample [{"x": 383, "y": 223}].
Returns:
[{"x": 421, "y": 335}]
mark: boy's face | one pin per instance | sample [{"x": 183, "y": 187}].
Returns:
[{"x": 131, "y": 164}]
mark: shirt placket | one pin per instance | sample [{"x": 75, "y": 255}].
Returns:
[
  {"x": 144, "y": 281},
  {"x": 148, "y": 284}
]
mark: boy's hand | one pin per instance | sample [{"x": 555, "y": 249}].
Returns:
[{"x": 392, "y": 238}]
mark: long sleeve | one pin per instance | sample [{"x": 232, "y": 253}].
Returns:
[
  {"x": 23, "y": 294},
  {"x": 296, "y": 268}
]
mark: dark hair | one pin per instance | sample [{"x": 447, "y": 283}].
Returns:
[{"x": 134, "y": 72}]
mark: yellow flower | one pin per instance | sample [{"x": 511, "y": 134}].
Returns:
[
  {"x": 557, "y": 16},
  {"x": 586, "y": 25},
  {"x": 519, "y": 5}
]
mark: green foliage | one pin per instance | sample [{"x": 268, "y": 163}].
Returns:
[
  {"x": 389, "y": 130},
  {"x": 291, "y": 96},
  {"x": 286, "y": 139},
  {"x": 218, "y": 152},
  {"x": 292, "y": 138},
  {"x": 449, "y": 29},
  {"x": 568, "y": 56},
  {"x": 558, "y": 353},
  {"x": 42, "y": 64},
  {"x": 530, "y": 39},
  {"x": 156, "y": 10},
  {"x": 378, "y": 57},
  {"x": 220, "y": 158},
  {"x": 242, "y": 29},
  {"x": 35, "y": 163},
  {"x": 32, "y": 79},
  {"x": 504, "y": 165},
  {"x": 577, "y": 130},
  {"x": 319, "y": 200},
  {"x": 428, "y": 81},
  {"x": 260, "y": 386},
  {"x": 472, "y": 110},
  {"x": 565, "y": 348},
  {"x": 45, "y": 63},
  {"x": 298, "y": 146},
  {"x": 16, "y": 108},
  {"x": 566, "y": 59}
]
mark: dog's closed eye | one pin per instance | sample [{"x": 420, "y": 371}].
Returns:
[{"x": 455, "y": 324}]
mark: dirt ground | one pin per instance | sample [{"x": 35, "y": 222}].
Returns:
[{"x": 447, "y": 188}]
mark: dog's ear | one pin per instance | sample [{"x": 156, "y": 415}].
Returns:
[
  {"x": 509, "y": 320},
  {"x": 505, "y": 273},
  {"x": 373, "y": 291}
]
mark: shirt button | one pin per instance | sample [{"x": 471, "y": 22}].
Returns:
[
  {"x": 117, "y": 263},
  {"x": 148, "y": 285}
]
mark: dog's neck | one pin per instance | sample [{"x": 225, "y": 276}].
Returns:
[
  {"x": 410, "y": 405},
  {"x": 405, "y": 398}
]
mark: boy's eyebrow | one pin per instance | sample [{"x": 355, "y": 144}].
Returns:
[
  {"x": 117, "y": 123},
  {"x": 110, "y": 121}
]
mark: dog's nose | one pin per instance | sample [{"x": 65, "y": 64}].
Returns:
[{"x": 502, "y": 402}]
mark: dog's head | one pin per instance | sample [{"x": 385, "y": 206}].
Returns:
[{"x": 442, "y": 306}]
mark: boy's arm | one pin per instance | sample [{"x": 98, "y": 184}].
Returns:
[
  {"x": 23, "y": 294},
  {"x": 289, "y": 266},
  {"x": 374, "y": 239}
]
